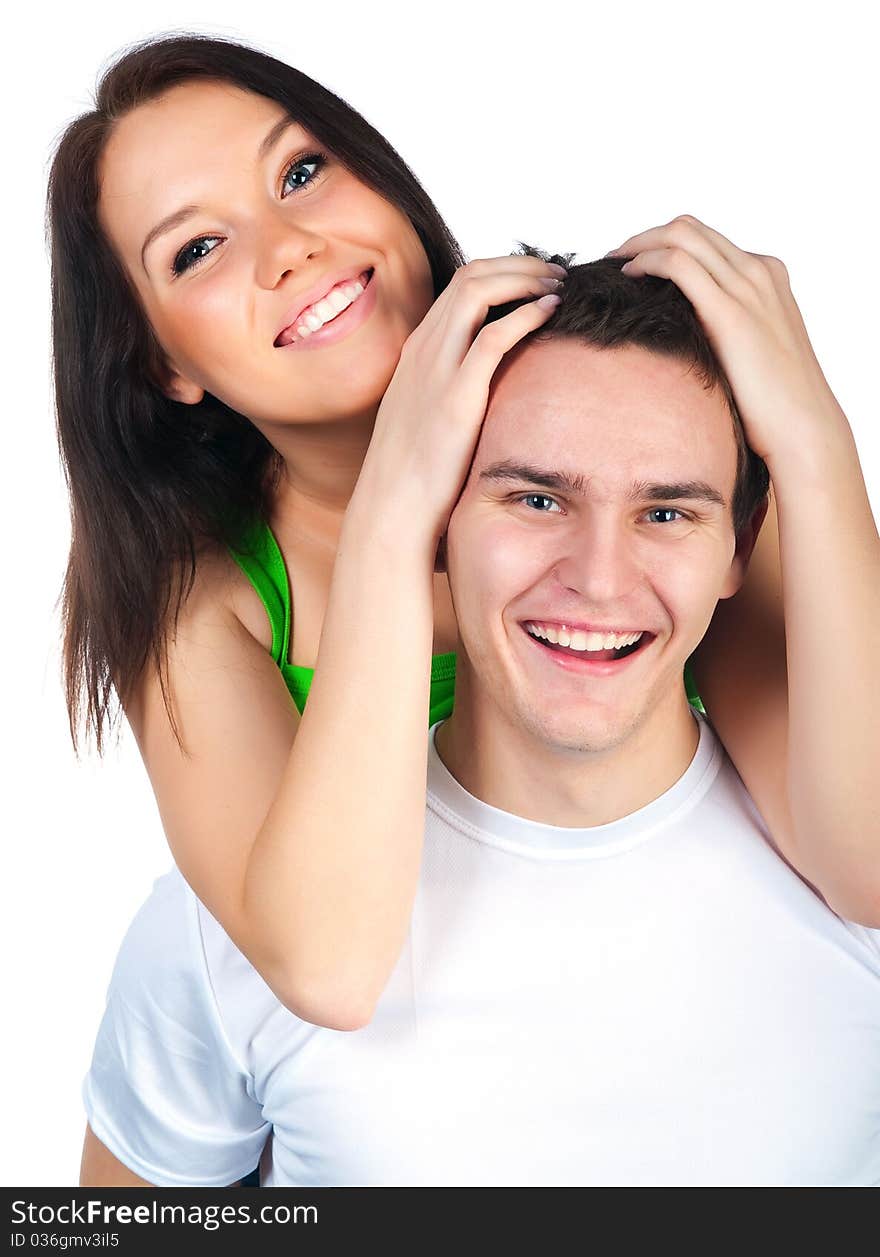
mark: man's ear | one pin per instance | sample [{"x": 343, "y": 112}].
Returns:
[
  {"x": 440, "y": 557},
  {"x": 745, "y": 544}
]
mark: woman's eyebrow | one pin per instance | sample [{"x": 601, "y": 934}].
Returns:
[
  {"x": 274, "y": 135},
  {"x": 187, "y": 211}
]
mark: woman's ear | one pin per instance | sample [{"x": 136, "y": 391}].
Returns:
[
  {"x": 179, "y": 388},
  {"x": 169, "y": 379}
]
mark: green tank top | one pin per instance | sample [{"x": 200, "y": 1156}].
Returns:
[{"x": 260, "y": 558}]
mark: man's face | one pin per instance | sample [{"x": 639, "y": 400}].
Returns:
[{"x": 599, "y": 502}]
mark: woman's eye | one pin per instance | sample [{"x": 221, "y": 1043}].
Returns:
[
  {"x": 190, "y": 254},
  {"x": 299, "y": 173},
  {"x": 664, "y": 515},
  {"x": 303, "y": 170},
  {"x": 541, "y": 502}
]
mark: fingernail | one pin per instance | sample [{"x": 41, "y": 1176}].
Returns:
[
  {"x": 612, "y": 253},
  {"x": 550, "y": 282},
  {"x": 560, "y": 270},
  {"x": 549, "y": 301}
]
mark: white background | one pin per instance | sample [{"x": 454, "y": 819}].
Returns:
[{"x": 569, "y": 126}]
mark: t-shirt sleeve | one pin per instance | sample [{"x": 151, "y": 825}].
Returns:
[
  {"x": 869, "y": 936},
  {"x": 165, "y": 1091}
]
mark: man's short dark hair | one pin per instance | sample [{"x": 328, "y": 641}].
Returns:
[{"x": 601, "y": 306}]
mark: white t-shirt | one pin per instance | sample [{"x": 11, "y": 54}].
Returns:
[{"x": 656, "y": 1001}]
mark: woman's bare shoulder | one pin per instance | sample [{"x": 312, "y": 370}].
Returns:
[
  {"x": 216, "y": 739},
  {"x": 221, "y": 615},
  {"x": 221, "y": 586}
]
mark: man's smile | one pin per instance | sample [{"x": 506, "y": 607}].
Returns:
[{"x": 592, "y": 649}]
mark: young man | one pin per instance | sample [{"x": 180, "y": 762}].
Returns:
[{"x": 611, "y": 976}]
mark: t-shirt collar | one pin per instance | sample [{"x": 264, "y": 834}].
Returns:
[{"x": 470, "y": 815}]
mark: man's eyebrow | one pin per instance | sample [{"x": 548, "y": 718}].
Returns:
[
  {"x": 564, "y": 482},
  {"x": 678, "y": 491},
  {"x": 187, "y": 211},
  {"x": 559, "y": 480}
]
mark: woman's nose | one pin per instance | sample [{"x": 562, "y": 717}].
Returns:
[{"x": 284, "y": 246}]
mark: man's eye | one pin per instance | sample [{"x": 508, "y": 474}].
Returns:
[
  {"x": 664, "y": 515},
  {"x": 540, "y": 502}
]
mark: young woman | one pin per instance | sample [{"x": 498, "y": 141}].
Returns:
[{"x": 270, "y": 377}]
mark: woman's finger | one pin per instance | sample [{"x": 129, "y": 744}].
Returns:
[
  {"x": 523, "y": 261},
  {"x": 498, "y": 338},
  {"x": 697, "y": 283},
  {"x": 735, "y": 270},
  {"x": 447, "y": 340},
  {"x": 674, "y": 232},
  {"x": 755, "y": 267},
  {"x": 487, "y": 269}
]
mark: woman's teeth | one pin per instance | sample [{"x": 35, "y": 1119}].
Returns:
[
  {"x": 577, "y": 639},
  {"x": 337, "y": 300}
]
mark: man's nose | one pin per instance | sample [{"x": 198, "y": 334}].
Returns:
[
  {"x": 282, "y": 246},
  {"x": 600, "y": 564}
]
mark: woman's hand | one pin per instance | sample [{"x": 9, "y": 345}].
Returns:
[
  {"x": 430, "y": 417},
  {"x": 806, "y": 743},
  {"x": 746, "y": 307}
]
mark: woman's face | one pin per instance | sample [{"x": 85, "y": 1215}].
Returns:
[{"x": 253, "y": 224}]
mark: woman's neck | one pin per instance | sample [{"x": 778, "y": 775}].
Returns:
[{"x": 321, "y": 465}]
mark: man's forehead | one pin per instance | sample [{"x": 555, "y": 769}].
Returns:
[{"x": 577, "y": 404}]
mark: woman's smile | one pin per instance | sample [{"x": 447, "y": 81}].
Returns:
[
  {"x": 345, "y": 304},
  {"x": 295, "y": 252}
]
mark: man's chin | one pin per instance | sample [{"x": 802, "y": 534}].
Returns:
[{"x": 579, "y": 733}]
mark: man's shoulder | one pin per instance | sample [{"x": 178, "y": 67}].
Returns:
[
  {"x": 735, "y": 806},
  {"x": 163, "y": 938},
  {"x": 177, "y": 967},
  {"x": 167, "y": 1093},
  {"x": 176, "y": 946},
  {"x": 734, "y": 815}
]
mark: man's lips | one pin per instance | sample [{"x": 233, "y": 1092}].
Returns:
[
  {"x": 318, "y": 292},
  {"x": 580, "y": 626},
  {"x": 570, "y": 652}
]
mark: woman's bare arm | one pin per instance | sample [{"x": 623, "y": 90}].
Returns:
[
  {"x": 304, "y": 836},
  {"x": 809, "y": 749},
  {"x": 305, "y": 848},
  {"x": 796, "y": 706},
  {"x": 742, "y": 678}
]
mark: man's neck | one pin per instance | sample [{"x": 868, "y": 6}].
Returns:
[{"x": 508, "y": 767}]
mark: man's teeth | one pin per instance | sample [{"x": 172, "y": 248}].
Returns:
[
  {"x": 577, "y": 639},
  {"x": 337, "y": 300}
]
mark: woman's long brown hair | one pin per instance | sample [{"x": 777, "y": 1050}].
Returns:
[{"x": 153, "y": 482}]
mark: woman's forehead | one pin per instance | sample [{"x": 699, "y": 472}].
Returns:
[{"x": 169, "y": 151}]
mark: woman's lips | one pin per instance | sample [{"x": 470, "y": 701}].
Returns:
[{"x": 343, "y": 323}]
